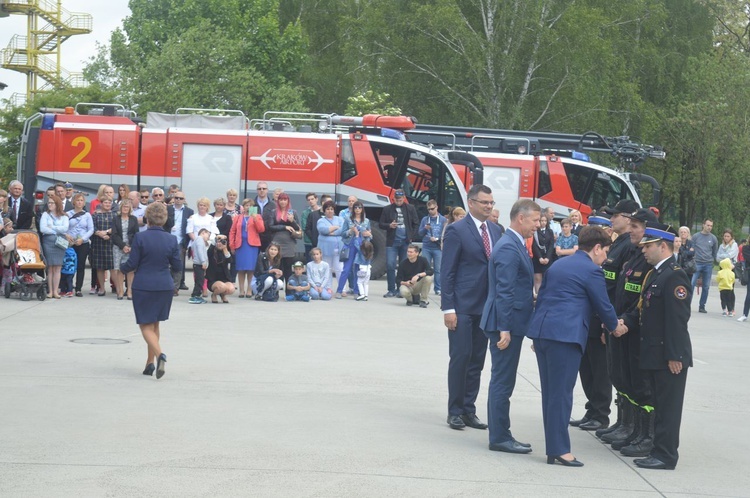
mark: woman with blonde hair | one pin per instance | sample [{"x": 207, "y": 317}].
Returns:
[
  {"x": 686, "y": 252},
  {"x": 102, "y": 257},
  {"x": 123, "y": 230},
  {"x": 154, "y": 255},
  {"x": 53, "y": 226},
  {"x": 231, "y": 207},
  {"x": 80, "y": 231}
]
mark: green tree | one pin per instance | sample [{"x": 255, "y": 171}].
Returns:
[{"x": 207, "y": 53}]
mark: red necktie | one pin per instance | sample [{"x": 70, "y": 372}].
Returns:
[{"x": 486, "y": 240}]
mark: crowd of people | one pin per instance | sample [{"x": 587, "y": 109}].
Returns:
[
  {"x": 607, "y": 303},
  {"x": 627, "y": 279}
]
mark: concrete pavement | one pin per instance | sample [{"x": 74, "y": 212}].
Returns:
[{"x": 341, "y": 398}]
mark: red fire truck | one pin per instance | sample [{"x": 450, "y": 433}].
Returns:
[
  {"x": 552, "y": 168},
  {"x": 207, "y": 152}
]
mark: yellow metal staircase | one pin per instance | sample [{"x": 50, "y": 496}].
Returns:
[{"x": 38, "y": 53}]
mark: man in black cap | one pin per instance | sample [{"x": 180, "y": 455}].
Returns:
[
  {"x": 632, "y": 439},
  {"x": 665, "y": 350},
  {"x": 401, "y": 224},
  {"x": 620, "y": 252},
  {"x": 593, "y": 369}
]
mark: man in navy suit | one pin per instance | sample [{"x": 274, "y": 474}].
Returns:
[
  {"x": 467, "y": 245},
  {"x": 21, "y": 209},
  {"x": 573, "y": 289},
  {"x": 505, "y": 318}
]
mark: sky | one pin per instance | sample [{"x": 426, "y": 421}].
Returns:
[{"x": 107, "y": 15}]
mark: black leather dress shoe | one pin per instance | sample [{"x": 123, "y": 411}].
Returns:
[
  {"x": 577, "y": 423},
  {"x": 511, "y": 446},
  {"x": 525, "y": 445},
  {"x": 592, "y": 425},
  {"x": 184, "y": 287},
  {"x": 568, "y": 463},
  {"x": 472, "y": 421},
  {"x": 455, "y": 422},
  {"x": 652, "y": 463}
]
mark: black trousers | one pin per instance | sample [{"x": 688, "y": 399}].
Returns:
[
  {"x": 669, "y": 394},
  {"x": 82, "y": 252},
  {"x": 595, "y": 380},
  {"x": 467, "y": 348},
  {"x": 727, "y": 299},
  {"x": 199, "y": 276},
  {"x": 640, "y": 387}
]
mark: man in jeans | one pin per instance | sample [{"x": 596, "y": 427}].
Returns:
[
  {"x": 706, "y": 245},
  {"x": 400, "y": 222},
  {"x": 431, "y": 230}
]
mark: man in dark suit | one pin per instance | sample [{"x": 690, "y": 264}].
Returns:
[
  {"x": 21, "y": 210},
  {"x": 573, "y": 290},
  {"x": 463, "y": 292},
  {"x": 665, "y": 348},
  {"x": 181, "y": 215},
  {"x": 506, "y": 316}
]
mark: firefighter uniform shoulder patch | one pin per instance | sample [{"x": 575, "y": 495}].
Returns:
[{"x": 680, "y": 292}]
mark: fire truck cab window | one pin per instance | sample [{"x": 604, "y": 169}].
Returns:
[
  {"x": 421, "y": 181},
  {"x": 545, "y": 184},
  {"x": 595, "y": 188},
  {"x": 348, "y": 166}
]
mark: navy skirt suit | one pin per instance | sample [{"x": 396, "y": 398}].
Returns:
[
  {"x": 573, "y": 290},
  {"x": 154, "y": 255}
]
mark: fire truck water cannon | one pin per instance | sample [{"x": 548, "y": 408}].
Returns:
[{"x": 631, "y": 155}]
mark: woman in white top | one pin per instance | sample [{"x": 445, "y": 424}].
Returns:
[
  {"x": 54, "y": 224},
  {"x": 201, "y": 219}
]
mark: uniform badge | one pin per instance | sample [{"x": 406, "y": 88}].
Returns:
[{"x": 680, "y": 292}]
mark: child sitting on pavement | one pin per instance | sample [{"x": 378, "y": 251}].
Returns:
[
  {"x": 200, "y": 263},
  {"x": 298, "y": 287},
  {"x": 319, "y": 276}
]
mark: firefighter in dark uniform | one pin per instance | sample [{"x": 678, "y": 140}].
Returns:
[
  {"x": 665, "y": 349},
  {"x": 634, "y": 437},
  {"x": 596, "y": 364}
]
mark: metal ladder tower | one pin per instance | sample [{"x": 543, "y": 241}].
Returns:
[{"x": 38, "y": 53}]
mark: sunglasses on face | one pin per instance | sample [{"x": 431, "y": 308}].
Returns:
[{"x": 180, "y": 198}]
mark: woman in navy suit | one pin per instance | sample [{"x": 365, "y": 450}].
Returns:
[
  {"x": 152, "y": 253},
  {"x": 572, "y": 290}
]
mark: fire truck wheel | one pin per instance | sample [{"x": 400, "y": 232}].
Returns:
[{"x": 378, "y": 261}]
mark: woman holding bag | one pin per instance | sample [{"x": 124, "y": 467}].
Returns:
[
  {"x": 355, "y": 230},
  {"x": 54, "y": 225},
  {"x": 282, "y": 221}
]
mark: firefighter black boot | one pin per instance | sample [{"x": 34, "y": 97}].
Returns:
[
  {"x": 600, "y": 432},
  {"x": 642, "y": 446},
  {"x": 626, "y": 425},
  {"x": 621, "y": 443}
]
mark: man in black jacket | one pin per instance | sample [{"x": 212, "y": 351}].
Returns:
[
  {"x": 181, "y": 215},
  {"x": 21, "y": 210},
  {"x": 414, "y": 277},
  {"x": 401, "y": 224}
]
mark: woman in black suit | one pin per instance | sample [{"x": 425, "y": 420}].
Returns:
[
  {"x": 154, "y": 255},
  {"x": 123, "y": 230}
]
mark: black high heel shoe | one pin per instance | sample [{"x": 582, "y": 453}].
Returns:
[
  {"x": 160, "y": 365},
  {"x": 568, "y": 463},
  {"x": 149, "y": 369}
]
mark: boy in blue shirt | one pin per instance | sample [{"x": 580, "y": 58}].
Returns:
[
  {"x": 70, "y": 262},
  {"x": 298, "y": 287}
]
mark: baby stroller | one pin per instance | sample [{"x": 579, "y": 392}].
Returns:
[{"x": 23, "y": 262}]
